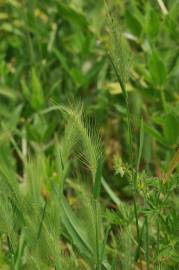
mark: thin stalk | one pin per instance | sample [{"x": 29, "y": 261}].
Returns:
[
  {"x": 102, "y": 249},
  {"x": 136, "y": 221},
  {"x": 134, "y": 175},
  {"x": 147, "y": 257},
  {"x": 129, "y": 124},
  {"x": 96, "y": 194},
  {"x": 163, "y": 7},
  {"x": 11, "y": 251},
  {"x": 147, "y": 243},
  {"x": 10, "y": 245},
  {"x": 119, "y": 61},
  {"x": 98, "y": 265},
  {"x": 20, "y": 251},
  {"x": 129, "y": 134},
  {"x": 158, "y": 243},
  {"x": 137, "y": 253}
]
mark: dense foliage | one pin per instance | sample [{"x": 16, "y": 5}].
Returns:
[{"x": 89, "y": 134}]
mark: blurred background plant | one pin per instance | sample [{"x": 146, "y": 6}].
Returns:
[{"x": 56, "y": 50}]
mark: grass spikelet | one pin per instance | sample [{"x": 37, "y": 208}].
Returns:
[
  {"x": 117, "y": 49},
  {"x": 87, "y": 136}
]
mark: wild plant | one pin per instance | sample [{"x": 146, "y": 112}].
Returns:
[
  {"x": 152, "y": 191},
  {"x": 60, "y": 210}
]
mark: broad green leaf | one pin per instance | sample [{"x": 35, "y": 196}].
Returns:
[
  {"x": 153, "y": 23},
  {"x": 157, "y": 69},
  {"x": 75, "y": 231},
  {"x": 133, "y": 23},
  {"x": 171, "y": 128},
  {"x": 72, "y": 15}
]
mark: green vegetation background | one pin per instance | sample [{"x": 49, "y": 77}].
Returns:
[{"x": 55, "y": 52}]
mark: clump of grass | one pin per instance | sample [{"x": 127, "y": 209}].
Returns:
[
  {"x": 42, "y": 214},
  {"x": 64, "y": 207}
]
